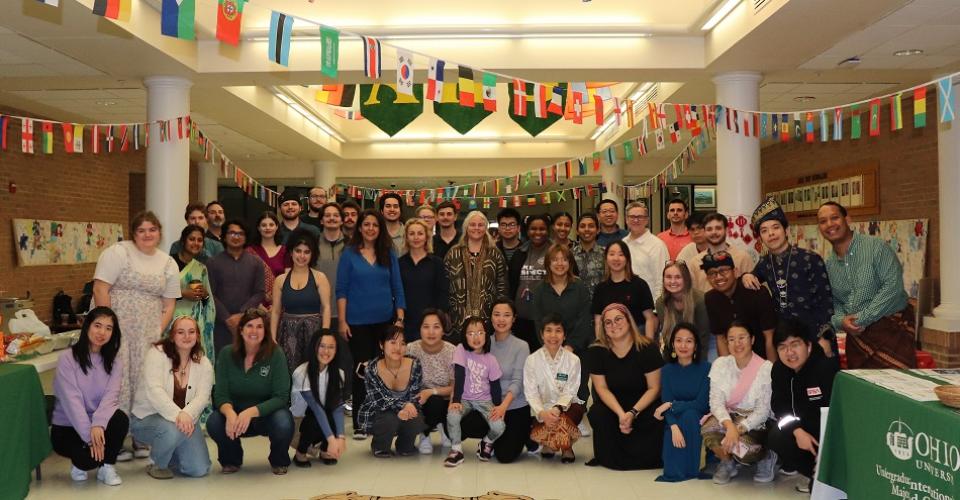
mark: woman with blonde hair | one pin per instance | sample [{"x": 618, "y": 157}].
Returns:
[
  {"x": 424, "y": 279},
  {"x": 477, "y": 272},
  {"x": 626, "y": 434},
  {"x": 681, "y": 303}
]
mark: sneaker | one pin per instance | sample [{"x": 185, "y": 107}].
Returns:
[
  {"x": 108, "y": 475},
  {"x": 584, "y": 429},
  {"x": 159, "y": 473},
  {"x": 125, "y": 455},
  {"x": 803, "y": 486},
  {"x": 454, "y": 459},
  {"x": 533, "y": 448},
  {"x": 359, "y": 435},
  {"x": 788, "y": 473},
  {"x": 77, "y": 474},
  {"x": 444, "y": 439},
  {"x": 726, "y": 471},
  {"x": 142, "y": 452},
  {"x": 766, "y": 468},
  {"x": 485, "y": 450},
  {"x": 425, "y": 447}
]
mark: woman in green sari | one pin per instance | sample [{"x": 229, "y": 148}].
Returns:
[{"x": 195, "y": 287}]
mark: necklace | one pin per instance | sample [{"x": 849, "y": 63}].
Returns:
[
  {"x": 395, "y": 373},
  {"x": 781, "y": 281}
]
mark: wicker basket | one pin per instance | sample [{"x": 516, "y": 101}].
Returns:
[{"x": 948, "y": 394}]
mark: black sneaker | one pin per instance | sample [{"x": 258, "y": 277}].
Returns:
[
  {"x": 454, "y": 459},
  {"x": 484, "y": 451}
]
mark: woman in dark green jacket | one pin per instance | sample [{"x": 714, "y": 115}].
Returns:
[{"x": 251, "y": 396}]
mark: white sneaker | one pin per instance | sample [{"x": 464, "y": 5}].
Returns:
[
  {"x": 143, "y": 452},
  {"x": 108, "y": 475},
  {"x": 444, "y": 439},
  {"x": 766, "y": 468},
  {"x": 359, "y": 435},
  {"x": 77, "y": 474},
  {"x": 584, "y": 430},
  {"x": 125, "y": 455},
  {"x": 426, "y": 447}
]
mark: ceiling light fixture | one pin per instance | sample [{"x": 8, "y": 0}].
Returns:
[
  {"x": 804, "y": 98},
  {"x": 849, "y": 62},
  {"x": 908, "y": 52},
  {"x": 720, "y": 13},
  {"x": 297, "y": 105}
]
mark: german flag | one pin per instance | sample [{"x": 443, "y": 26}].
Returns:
[{"x": 337, "y": 95}]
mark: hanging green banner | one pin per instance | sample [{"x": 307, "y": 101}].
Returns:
[
  {"x": 391, "y": 112},
  {"x": 544, "y": 100},
  {"x": 461, "y": 118}
]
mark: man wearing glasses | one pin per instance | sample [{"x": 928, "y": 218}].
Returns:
[
  {"x": 236, "y": 282},
  {"x": 609, "y": 213},
  {"x": 508, "y": 230},
  {"x": 648, "y": 254},
  {"x": 316, "y": 199},
  {"x": 729, "y": 300}
]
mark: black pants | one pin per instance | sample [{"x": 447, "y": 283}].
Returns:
[
  {"x": 510, "y": 444},
  {"x": 68, "y": 443},
  {"x": 278, "y": 426},
  {"x": 311, "y": 433},
  {"x": 364, "y": 346},
  {"x": 526, "y": 329},
  {"x": 435, "y": 412},
  {"x": 387, "y": 425},
  {"x": 785, "y": 445}
]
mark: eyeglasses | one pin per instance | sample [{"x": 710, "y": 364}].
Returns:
[
  {"x": 318, "y": 196},
  {"x": 509, "y": 225},
  {"x": 718, "y": 271},
  {"x": 638, "y": 217},
  {"x": 617, "y": 320},
  {"x": 476, "y": 334},
  {"x": 236, "y": 233}
]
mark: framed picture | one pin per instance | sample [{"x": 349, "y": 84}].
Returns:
[{"x": 705, "y": 197}]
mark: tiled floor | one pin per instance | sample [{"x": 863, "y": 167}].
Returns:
[{"x": 360, "y": 471}]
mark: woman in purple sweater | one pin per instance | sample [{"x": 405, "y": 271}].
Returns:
[{"x": 88, "y": 426}]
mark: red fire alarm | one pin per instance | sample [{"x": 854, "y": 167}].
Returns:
[{"x": 13, "y": 187}]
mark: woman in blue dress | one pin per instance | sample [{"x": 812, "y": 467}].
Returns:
[{"x": 685, "y": 392}]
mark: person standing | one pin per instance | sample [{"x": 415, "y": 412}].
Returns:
[
  {"x": 648, "y": 253},
  {"x": 698, "y": 238},
  {"x": 621, "y": 286},
  {"x": 796, "y": 277},
  {"x": 424, "y": 278},
  {"x": 562, "y": 225},
  {"x": 391, "y": 208},
  {"x": 715, "y": 229},
  {"x": 369, "y": 297},
  {"x": 730, "y": 301},
  {"x": 609, "y": 214},
  {"x": 477, "y": 273},
  {"x": 428, "y": 215},
  {"x": 447, "y": 236},
  {"x": 678, "y": 235},
  {"x": 195, "y": 300},
  {"x": 330, "y": 247},
  {"x": 680, "y": 303},
  {"x": 236, "y": 283},
  {"x": 316, "y": 199},
  {"x": 587, "y": 253},
  {"x": 869, "y": 301},
  {"x": 351, "y": 213},
  {"x": 195, "y": 215},
  {"x": 290, "y": 213},
  {"x": 268, "y": 245},
  {"x": 509, "y": 227},
  {"x": 527, "y": 270},
  {"x": 215, "y": 220}
]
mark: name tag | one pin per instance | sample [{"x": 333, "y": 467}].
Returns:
[
  {"x": 265, "y": 371},
  {"x": 562, "y": 377},
  {"x": 814, "y": 391}
]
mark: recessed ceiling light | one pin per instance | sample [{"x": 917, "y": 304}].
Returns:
[
  {"x": 107, "y": 103},
  {"x": 909, "y": 52},
  {"x": 804, "y": 98}
]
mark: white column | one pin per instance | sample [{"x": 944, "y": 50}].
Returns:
[
  {"x": 612, "y": 177},
  {"x": 946, "y": 316},
  {"x": 324, "y": 174},
  {"x": 738, "y": 156},
  {"x": 207, "y": 174},
  {"x": 168, "y": 163}
]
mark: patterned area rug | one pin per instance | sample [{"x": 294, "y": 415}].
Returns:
[{"x": 352, "y": 495}]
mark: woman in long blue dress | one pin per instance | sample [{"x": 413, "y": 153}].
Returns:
[{"x": 685, "y": 392}]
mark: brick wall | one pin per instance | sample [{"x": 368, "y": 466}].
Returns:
[
  {"x": 70, "y": 187},
  {"x": 907, "y": 173}
]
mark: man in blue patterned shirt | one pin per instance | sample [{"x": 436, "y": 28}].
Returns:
[
  {"x": 796, "y": 277},
  {"x": 869, "y": 301}
]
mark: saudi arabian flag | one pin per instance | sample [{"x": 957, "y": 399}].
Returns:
[
  {"x": 329, "y": 51},
  {"x": 176, "y": 19},
  {"x": 855, "y": 121}
]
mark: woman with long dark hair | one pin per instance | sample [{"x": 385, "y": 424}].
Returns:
[
  {"x": 369, "y": 296},
  {"x": 318, "y": 397},
  {"x": 195, "y": 300},
  {"x": 88, "y": 426},
  {"x": 173, "y": 394},
  {"x": 621, "y": 286}
]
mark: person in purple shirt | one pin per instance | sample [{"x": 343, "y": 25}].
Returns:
[{"x": 87, "y": 425}]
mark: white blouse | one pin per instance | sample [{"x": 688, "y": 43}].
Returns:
[
  {"x": 551, "y": 381},
  {"x": 724, "y": 375},
  {"x": 155, "y": 391}
]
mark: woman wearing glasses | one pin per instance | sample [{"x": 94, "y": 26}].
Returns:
[
  {"x": 680, "y": 303},
  {"x": 624, "y": 368}
]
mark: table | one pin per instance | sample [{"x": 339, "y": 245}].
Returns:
[
  {"x": 880, "y": 443},
  {"x": 24, "y": 433}
]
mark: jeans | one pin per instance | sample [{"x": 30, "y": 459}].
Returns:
[
  {"x": 497, "y": 427},
  {"x": 278, "y": 426},
  {"x": 170, "y": 448},
  {"x": 68, "y": 443},
  {"x": 509, "y": 445}
]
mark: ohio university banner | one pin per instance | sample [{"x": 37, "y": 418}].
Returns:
[{"x": 882, "y": 443}]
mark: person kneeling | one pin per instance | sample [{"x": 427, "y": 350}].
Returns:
[
  {"x": 479, "y": 392},
  {"x": 551, "y": 380},
  {"x": 802, "y": 381},
  {"x": 252, "y": 396},
  {"x": 174, "y": 391},
  {"x": 318, "y": 397}
]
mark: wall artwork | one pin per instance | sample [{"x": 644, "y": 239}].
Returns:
[
  {"x": 48, "y": 242},
  {"x": 908, "y": 238},
  {"x": 705, "y": 197}
]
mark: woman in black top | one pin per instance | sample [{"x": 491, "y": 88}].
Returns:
[
  {"x": 621, "y": 286},
  {"x": 425, "y": 284}
]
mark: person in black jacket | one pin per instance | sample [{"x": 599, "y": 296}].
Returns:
[{"x": 802, "y": 383}]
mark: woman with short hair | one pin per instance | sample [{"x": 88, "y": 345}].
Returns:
[{"x": 436, "y": 359}]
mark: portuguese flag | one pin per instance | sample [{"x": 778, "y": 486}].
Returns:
[{"x": 229, "y": 19}]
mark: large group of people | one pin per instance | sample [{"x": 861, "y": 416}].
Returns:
[{"x": 666, "y": 344}]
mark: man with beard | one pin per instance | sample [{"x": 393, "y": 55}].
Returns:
[
  {"x": 330, "y": 247},
  {"x": 236, "y": 283},
  {"x": 677, "y": 235},
  {"x": 351, "y": 212},
  {"x": 869, "y": 302},
  {"x": 447, "y": 236},
  {"x": 215, "y": 218},
  {"x": 715, "y": 229},
  {"x": 316, "y": 199},
  {"x": 290, "y": 216},
  {"x": 730, "y": 301},
  {"x": 195, "y": 215},
  {"x": 391, "y": 208}
]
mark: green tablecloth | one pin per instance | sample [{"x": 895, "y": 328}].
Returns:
[
  {"x": 24, "y": 433},
  {"x": 881, "y": 444}
]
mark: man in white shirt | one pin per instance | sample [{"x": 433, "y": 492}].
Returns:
[
  {"x": 648, "y": 253},
  {"x": 715, "y": 228}
]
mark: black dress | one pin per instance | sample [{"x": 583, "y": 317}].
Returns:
[{"x": 640, "y": 449}]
